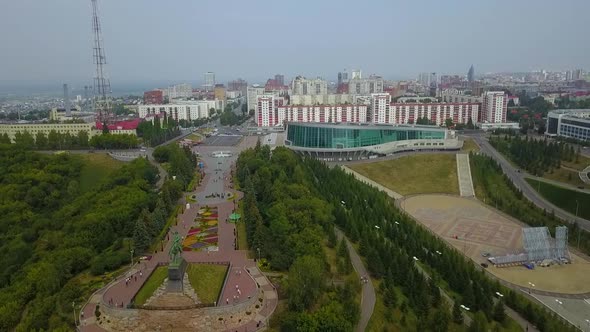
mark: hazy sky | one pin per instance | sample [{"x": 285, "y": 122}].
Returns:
[{"x": 178, "y": 40}]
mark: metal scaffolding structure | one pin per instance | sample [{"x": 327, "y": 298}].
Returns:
[
  {"x": 561, "y": 249},
  {"x": 537, "y": 243},
  {"x": 102, "y": 85},
  {"x": 538, "y": 247}
]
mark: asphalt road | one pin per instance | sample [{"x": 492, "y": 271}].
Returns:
[
  {"x": 368, "y": 291},
  {"x": 518, "y": 178}
]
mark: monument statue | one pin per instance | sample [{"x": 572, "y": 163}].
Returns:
[{"x": 175, "y": 249}]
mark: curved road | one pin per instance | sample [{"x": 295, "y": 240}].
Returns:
[
  {"x": 518, "y": 179},
  {"x": 368, "y": 291}
]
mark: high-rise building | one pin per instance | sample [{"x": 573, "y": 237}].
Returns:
[
  {"x": 471, "y": 74},
  {"x": 184, "y": 90},
  {"x": 577, "y": 74},
  {"x": 342, "y": 77},
  {"x": 424, "y": 79},
  {"x": 365, "y": 86},
  {"x": 356, "y": 74},
  {"x": 153, "y": 97},
  {"x": 280, "y": 79},
  {"x": 265, "y": 113},
  {"x": 238, "y": 85},
  {"x": 209, "y": 81},
  {"x": 494, "y": 107},
  {"x": 67, "y": 106},
  {"x": 220, "y": 92},
  {"x": 304, "y": 86},
  {"x": 252, "y": 94}
]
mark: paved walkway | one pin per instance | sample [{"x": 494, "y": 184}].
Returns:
[
  {"x": 372, "y": 183},
  {"x": 118, "y": 294},
  {"x": 368, "y": 291},
  {"x": 464, "y": 175}
]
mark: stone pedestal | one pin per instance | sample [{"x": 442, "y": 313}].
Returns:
[{"x": 176, "y": 275}]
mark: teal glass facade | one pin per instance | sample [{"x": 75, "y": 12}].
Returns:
[{"x": 346, "y": 137}]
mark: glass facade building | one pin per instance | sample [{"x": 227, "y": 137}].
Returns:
[
  {"x": 347, "y": 136},
  {"x": 569, "y": 123}
]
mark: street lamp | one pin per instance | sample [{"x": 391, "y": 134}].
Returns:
[
  {"x": 464, "y": 307},
  {"x": 397, "y": 223},
  {"x": 131, "y": 251},
  {"x": 258, "y": 249},
  {"x": 499, "y": 294},
  {"x": 438, "y": 252},
  {"x": 415, "y": 258}
]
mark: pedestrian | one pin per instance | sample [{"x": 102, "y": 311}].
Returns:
[
  {"x": 236, "y": 286},
  {"x": 227, "y": 301},
  {"x": 240, "y": 272},
  {"x": 135, "y": 277},
  {"x": 140, "y": 274}
]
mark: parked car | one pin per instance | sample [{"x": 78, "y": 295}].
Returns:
[{"x": 484, "y": 265}]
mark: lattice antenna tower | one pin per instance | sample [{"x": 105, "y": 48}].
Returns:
[{"x": 102, "y": 85}]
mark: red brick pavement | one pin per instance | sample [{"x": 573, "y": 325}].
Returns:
[{"x": 121, "y": 293}]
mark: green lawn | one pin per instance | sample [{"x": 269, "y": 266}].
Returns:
[
  {"x": 97, "y": 167},
  {"x": 154, "y": 281},
  {"x": 566, "y": 176},
  {"x": 207, "y": 280},
  {"x": 563, "y": 198},
  {"x": 417, "y": 174},
  {"x": 582, "y": 163},
  {"x": 469, "y": 145}
]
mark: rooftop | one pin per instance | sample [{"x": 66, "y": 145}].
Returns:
[{"x": 368, "y": 125}]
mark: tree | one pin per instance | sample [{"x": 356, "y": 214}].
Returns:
[
  {"x": 498, "y": 314},
  {"x": 4, "y": 139},
  {"x": 41, "y": 140},
  {"x": 105, "y": 128},
  {"x": 479, "y": 323},
  {"x": 141, "y": 236},
  {"x": 438, "y": 320},
  {"x": 305, "y": 282},
  {"x": 470, "y": 123},
  {"x": 449, "y": 123}
]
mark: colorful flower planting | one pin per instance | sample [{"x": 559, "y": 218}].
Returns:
[{"x": 203, "y": 235}]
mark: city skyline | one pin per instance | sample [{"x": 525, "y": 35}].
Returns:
[{"x": 443, "y": 38}]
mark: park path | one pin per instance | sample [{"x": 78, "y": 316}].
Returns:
[
  {"x": 119, "y": 293},
  {"x": 368, "y": 291},
  {"x": 464, "y": 175}
]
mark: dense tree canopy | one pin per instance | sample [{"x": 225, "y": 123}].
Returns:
[{"x": 51, "y": 231}]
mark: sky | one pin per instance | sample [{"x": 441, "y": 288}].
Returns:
[{"x": 155, "y": 42}]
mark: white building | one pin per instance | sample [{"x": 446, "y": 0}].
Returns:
[
  {"x": 252, "y": 94},
  {"x": 266, "y": 110},
  {"x": 385, "y": 112},
  {"x": 365, "y": 86},
  {"x": 184, "y": 90},
  {"x": 327, "y": 99},
  {"x": 180, "y": 111},
  {"x": 304, "y": 86},
  {"x": 573, "y": 123},
  {"x": 322, "y": 114},
  {"x": 356, "y": 74},
  {"x": 209, "y": 81},
  {"x": 494, "y": 107}
]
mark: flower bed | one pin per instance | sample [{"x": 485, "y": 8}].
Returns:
[{"x": 203, "y": 236}]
